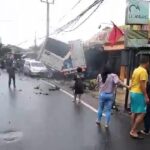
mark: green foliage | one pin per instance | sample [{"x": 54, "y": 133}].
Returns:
[
  {"x": 4, "y": 51},
  {"x": 91, "y": 84}
]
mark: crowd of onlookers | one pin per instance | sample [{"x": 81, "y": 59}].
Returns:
[
  {"x": 4, "y": 62},
  {"x": 139, "y": 89}
]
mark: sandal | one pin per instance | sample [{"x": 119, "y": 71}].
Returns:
[
  {"x": 98, "y": 122},
  {"x": 136, "y": 137},
  {"x": 143, "y": 132}
]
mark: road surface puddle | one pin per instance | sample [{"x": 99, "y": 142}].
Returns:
[{"x": 10, "y": 136}]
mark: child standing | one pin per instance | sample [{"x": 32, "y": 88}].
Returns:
[{"x": 78, "y": 85}]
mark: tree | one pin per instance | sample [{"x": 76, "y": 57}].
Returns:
[{"x": 4, "y": 50}]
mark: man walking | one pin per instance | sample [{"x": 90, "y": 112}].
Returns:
[
  {"x": 138, "y": 95},
  {"x": 11, "y": 73}
]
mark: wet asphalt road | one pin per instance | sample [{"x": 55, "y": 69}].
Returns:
[{"x": 30, "y": 120}]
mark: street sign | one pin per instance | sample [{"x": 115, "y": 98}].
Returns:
[{"x": 137, "y": 12}]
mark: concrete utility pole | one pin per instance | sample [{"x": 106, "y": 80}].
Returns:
[
  {"x": 48, "y": 2},
  {"x": 35, "y": 44}
]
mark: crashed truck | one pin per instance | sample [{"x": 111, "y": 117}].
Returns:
[{"x": 63, "y": 58}]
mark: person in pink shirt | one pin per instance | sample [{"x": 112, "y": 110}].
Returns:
[{"x": 107, "y": 84}]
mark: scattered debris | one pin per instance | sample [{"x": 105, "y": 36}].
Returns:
[
  {"x": 11, "y": 136},
  {"x": 37, "y": 88},
  {"x": 20, "y": 90},
  {"x": 43, "y": 92},
  {"x": 46, "y": 94},
  {"x": 40, "y": 93},
  {"x": 54, "y": 88},
  {"x": 57, "y": 88}
]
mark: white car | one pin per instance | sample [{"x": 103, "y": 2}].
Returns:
[{"x": 35, "y": 68}]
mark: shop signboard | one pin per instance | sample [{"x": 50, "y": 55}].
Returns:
[{"x": 137, "y": 12}]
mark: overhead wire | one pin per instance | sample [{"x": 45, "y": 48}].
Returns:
[
  {"x": 73, "y": 7},
  {"x": 79, "y": 1},
  {"x": 85, "y": 19},
  {"x": 76, "y": 19}
]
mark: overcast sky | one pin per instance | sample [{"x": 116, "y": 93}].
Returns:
[{"x": 21, "y": 19}]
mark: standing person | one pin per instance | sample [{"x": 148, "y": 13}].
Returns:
[
  {"x": 19, "y": 66},
  {"x": 99, "y": 80},
  {"x": 138, "y": 95},
  {"x": 146, "y": 130},
  {"x": 9, "y": 61},
  {"x": 107, "y": 86},
  {"x": 11, "y": 74},
  {"x": 78, "y": 85}
]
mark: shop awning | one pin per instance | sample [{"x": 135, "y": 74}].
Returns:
[{"x": 143, "y": 52}]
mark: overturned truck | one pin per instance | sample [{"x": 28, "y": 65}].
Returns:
[{"x": 62, "y": 57}]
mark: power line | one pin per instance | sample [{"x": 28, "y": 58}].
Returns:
[
  {"x": 79, "y": 1},
  {"x": 76, "y": 19},
  {"x": 74, "y": 6},
  {"x": 85, "y": 18},
  {"x": 26, "y": 41}
]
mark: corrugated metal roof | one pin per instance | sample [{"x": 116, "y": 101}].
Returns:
[{"x": 143, "y": 52}]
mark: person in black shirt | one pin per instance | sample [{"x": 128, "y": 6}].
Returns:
[{"x": 78, "y": 85}]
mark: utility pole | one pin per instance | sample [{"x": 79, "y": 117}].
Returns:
[
  {"x": 35, "y": 44},
  {"x": 48, "y": 2},
  {"x": 47, "y": 32}
]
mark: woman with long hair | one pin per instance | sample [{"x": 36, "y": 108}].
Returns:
[{"x": 107, "y": 85}]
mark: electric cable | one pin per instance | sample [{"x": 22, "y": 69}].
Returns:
[{"x": 76, "y": 19}]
